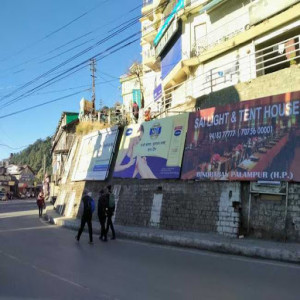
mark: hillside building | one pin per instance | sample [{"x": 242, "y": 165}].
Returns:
[
  {"x": 62, "y": 142},
  {"x": 192, "y": 49},
  {"x": 131, "y": 89}
]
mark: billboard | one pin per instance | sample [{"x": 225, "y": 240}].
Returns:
[
  {"x": 252, "y": 140},
  {"x": 95, "y": 154},
  {"x": 153, "y": 149}
]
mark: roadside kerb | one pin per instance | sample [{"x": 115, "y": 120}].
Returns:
[{"x": 286, "y": 252}]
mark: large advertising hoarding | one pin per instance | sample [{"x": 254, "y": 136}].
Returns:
[
  {"x": 95, "y": 154},
  {"x": 252, "y": 140},
  {"x": 152, "y": 150}
]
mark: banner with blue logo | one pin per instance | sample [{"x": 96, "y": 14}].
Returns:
[
  {"x": 152, "y": 150},
  {"x": 95, "y": 155}
]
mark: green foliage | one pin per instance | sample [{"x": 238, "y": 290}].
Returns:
[{"x": 33, "y": 156}]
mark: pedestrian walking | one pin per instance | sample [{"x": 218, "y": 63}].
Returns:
[
  {"x": 102, "y": 211},
  {"x": 135, "y": 111},
  {"x": 40, "y": 203},
  {"x": 88, "y": 209},
  {"x": 110, "y": 212}
]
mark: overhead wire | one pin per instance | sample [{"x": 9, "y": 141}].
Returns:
[
  {"x": 57, "y": 30},
  {"x": 55, "y": 68},
  {"x": 79, "y": 65},
  {"x": 66, "y": 62},
  {"x": 47, "y": 53},
  {"x": 42, "y": 104},
  {"x": 88, "y": 33},
  {"x": 80, "y": 86},
  {"x": 66, "y": 51},
  {"x": 13, "y": 148},
  {"x": 69, "y": 42},
  {"x": 71, "y": 69}
]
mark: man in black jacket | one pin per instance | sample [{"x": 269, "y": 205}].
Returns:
[
  {"x": 86, "y": 216},
  {"x": 102, "y": 211},
  {"x": 110, "y": 212}
]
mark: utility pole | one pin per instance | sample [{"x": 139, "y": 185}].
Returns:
[{"x": 93, "y": 69}]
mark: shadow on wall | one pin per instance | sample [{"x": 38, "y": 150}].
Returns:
[{"x": 225, "y": 96}]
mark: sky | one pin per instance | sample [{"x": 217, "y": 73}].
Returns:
[{"x": 45, "y": 47}]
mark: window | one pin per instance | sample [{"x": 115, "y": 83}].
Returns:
[{"x": 277, "y": 53}]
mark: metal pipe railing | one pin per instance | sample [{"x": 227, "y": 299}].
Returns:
[{"x": 212, "y": 81}]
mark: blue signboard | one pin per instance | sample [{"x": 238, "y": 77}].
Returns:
[
  {"x": 172, "y": 58},
  {"x": 157, "y": 92}
]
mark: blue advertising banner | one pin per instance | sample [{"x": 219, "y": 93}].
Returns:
[
  {"x": 172, "y": 58},
  {"x": 153, "y": 149}
]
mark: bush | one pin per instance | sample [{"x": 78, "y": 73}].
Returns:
[{"x": 85, "y": 127}]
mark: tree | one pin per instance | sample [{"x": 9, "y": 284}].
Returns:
[{"x": 33, "y": 156}]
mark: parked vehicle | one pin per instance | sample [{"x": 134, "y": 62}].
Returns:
[{"x": 3, "y": 196}]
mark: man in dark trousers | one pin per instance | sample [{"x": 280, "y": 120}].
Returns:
[
  {"x": 102, "y": 210},
  {"x": 110, "y": 212},
  {"x": 86, "y": 216}
]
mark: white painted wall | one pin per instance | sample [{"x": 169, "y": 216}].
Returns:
[
  {"x": 156, "y": 210},
  {"x": 221, "y": 23},
  {"x": 150, "y": 81},
  {"x": 70, "y": 205},
  {"x": 228, "y": 223},
  {"x": 127, "y": 87}
]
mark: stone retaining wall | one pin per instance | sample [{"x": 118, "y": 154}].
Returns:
[
  {"x": 267, "y": 215},
  {"x": 177, "y": 205}
]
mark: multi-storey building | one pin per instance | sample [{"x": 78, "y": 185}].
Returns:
[
  {"x": 131, "y": 89},
  {"x": 193, "y": 49}
]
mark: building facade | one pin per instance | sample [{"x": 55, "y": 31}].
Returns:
[
  {"x": 131, "y": 89},
  {"x": 192, "y": 49},
  {"x": 62, "y": 142}
]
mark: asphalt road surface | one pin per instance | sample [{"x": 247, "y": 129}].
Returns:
[{"x": 42, "y": 261}]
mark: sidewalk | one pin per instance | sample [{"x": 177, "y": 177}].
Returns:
[{"x": 288, "y": 252}]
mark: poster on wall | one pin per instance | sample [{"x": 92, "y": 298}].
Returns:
[
  {"x": 152, "y": 150},
  {"x": 95, "y": 155},
  {"x": 251, "y": 140}
]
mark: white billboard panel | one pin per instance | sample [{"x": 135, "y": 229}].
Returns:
[{"x": 95, "y": 155}]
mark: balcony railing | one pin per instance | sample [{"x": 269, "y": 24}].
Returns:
[
  {"x": 149, "y": 53},
  {"x": 221, "y": 34},
  {"x": 272, "y": 58}
]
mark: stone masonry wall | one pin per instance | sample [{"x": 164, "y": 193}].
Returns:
[
  {"x": 177, "y": 205},
  {"x": 267, "y": 215},
  {"x": 293, "y": 215},
  {"x": 70, "y": 193}
]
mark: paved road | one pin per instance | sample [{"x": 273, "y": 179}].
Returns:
[{"x": 41, "y": 261}]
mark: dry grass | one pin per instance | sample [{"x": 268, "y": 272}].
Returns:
[{"x": 85, "y": 127}]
